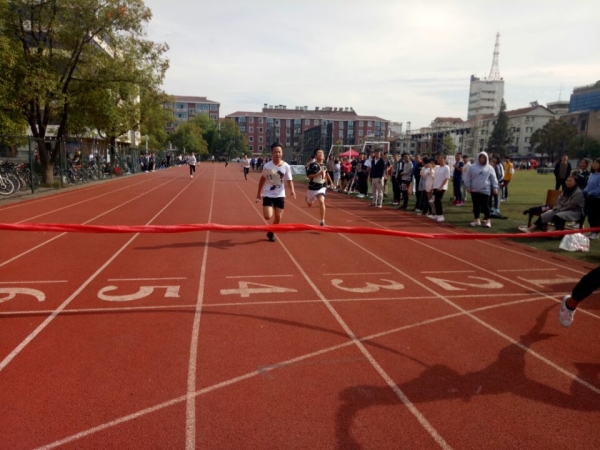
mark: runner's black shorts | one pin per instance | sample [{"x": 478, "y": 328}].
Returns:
[
  {"x": 278, "y": 202},
  {"x": 246, "y": 170}
]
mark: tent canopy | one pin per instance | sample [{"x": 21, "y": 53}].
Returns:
[{"x": 351, "y": 153}]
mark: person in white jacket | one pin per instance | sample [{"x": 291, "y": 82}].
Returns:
[
  {"x": 480, "y": 182},
  {"x": 192, "y": 164}
]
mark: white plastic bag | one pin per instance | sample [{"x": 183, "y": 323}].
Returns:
[{"x": 575, "y": 243}]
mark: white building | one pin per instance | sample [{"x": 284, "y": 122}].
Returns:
[
  {"x": 522, "y": 123},
  {"x": 485, "y": 96},
  {"x": 559, "y": 107}
]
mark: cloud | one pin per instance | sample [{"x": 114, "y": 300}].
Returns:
[{"x": 404, "y": 61}]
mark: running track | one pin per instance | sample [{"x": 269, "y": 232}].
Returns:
[{"x": 318, "y": 341}]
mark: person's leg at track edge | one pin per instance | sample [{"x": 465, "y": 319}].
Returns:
[{"x": 584, "y": 288}]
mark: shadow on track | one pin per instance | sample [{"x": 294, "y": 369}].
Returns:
[{"x": 507, "y": 375}]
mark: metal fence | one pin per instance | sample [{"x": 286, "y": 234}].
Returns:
[{"x": 77, "y": 161}]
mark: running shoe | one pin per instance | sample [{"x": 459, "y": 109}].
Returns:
[
  {"x": 488, "y": 224},
  {"x": 565, "y": 315},
  {"x": 593, "y": 236},
  {"x": 476, "y": 223},
  {"x": 432, "y": 216},
  {"x": 271, "y": 236},
  {"x": 440, "y": 218},
  {"x": 322, "y": 223}
]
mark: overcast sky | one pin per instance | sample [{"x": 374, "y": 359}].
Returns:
[{"x": 405, "y": 61}]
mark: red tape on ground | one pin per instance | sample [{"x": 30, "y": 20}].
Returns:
[{"x": 285, "y": 228}]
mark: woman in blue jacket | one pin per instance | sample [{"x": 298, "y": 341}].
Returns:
[{"x": 592, "y": 194}]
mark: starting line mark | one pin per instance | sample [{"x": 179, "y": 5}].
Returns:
[
  {"x": 146, "y": 279},
  {"x": 33, "y": 282},
  {"x": 260, "y": 276}
]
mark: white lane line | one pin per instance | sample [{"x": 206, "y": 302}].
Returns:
[
  {"x": 262, "y": 371},
  {"x": 447, "y": 271},
  {"x": 82, "y": 201},
  {"x": 84, "y": 223},
  {"x": 190, "y": 415},
  {"x": 273, "y": 302},
  {"x": 354, "y": 274},
  {"x": 64, "y": 304},
  {"x": 34, "y": 282},
  {"x": 524, "y": 270},
  {"x": 260, "y": 276},
  {"x": 147, "y": 279},
  {"x": 358, "y": 343},
  {"x": 475, "y": 318}
]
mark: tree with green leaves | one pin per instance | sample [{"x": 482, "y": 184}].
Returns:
[
  {"x": 553, "y": 138},
  {"x": 228, "y": 140},
  {"x": 71, "y": 53},
  {"x": 448, "y": 145},
  {"x": 583, "y": 147},
  {"x": 189, "y": 137},
  {"x": 499, "y": 137}
]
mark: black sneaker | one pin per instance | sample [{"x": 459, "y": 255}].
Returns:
[{"x": 271, "y": 236}]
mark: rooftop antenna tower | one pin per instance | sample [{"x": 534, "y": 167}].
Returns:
[
  {"x": 560, "y": 92},
  {"x": 495, "y": 70}
]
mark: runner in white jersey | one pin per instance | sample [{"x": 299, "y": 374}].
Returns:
[
  {"x": 271, "y": 187},
  {"x": 317, "y": 186},
  {"x": 246, "y": 166}
]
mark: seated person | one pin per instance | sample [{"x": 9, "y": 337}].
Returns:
[{"x": 569, "y": 208}]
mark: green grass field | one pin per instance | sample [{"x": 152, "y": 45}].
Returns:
[{"x": 528, "y": 188}]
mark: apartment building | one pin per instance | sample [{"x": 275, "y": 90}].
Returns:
[
  {"x": 288, "y": 126},
  {"x": 185, "y": 108},
  {"x": 485, "y": 96},
  {"x": 522, "y": 123}
]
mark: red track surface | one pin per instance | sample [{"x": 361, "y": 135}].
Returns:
[{"x": 247, "y": 344}]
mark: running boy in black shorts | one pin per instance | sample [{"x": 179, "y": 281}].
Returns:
[{"x": 271, "y": 187}]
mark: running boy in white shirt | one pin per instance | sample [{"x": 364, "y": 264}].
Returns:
[
  {"x": 317, "y": 186},
  {"x": 246, "y": 165},
  {"x": 271, "y": 189}
]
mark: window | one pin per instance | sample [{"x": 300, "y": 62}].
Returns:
[
  {"x": 251, "y": 138},
  {"x": 360, "y": 132},
  {"x": 277, "y": 122},
  {"x": 260, "y": 139},
  {"x": 526, "y": 140},
  {"x": 341, "y": 125},
  {"x": 250, "y": 129},
  {"x": 529, "y": 129},
  {"x": 252, "y": 148},
  {"x": 307, "y": 122},
  {"x": 316, "y": 122},
  {"x": 201, "y": 107},
  {"x": 243, "y": 129},
  {"x": 369, "y": 123},
  {"x": 288, "y": 123},
  {"x": 214, "y": 107},
  {"x": 360, "y": 141},
  {"x": 251, "y": 120},
  {"x": 361, "y": 124},
  {"x": 517, "y": 141},
  {"x": 260, "y": 148},
  {"x": 287, "y": 141},
  {"x": 341, "y": 134},
  {"x": 260, "y": 120},
  {"x": 260, "y": 129},
  {"x": 288, "y": 132}
]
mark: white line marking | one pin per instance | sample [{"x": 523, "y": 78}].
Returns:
[
  {"x": 354, "y": 274},
  {"x": 82, "y": 201},
  {"x": 146, "y": 279},
  {"x": 523, "y": 270},
  {"x": 447, "y": 271},
  {"x": 550, "y": 281},
  {"x": 84, "y": 223},
  {"x": 475, "y": 318},
  {"x": 403, "y": 398},
  {"x": 260, "y": 276},
  {"x": 190, "y": 415},
  {"x": 273, "y": 302},
  {"x": 262, "y": 371},
  {"x": 34, "y": 282},
  {"x": 64, "y": 304}
]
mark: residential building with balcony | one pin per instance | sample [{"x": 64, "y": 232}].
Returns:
[
  {"x": 185, "y": 108},
  {"x": 288, "y": 126}
]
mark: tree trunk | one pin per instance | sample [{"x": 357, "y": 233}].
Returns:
[{"x": 48, "y": 173}]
